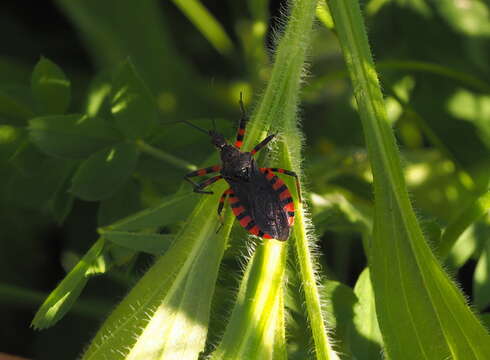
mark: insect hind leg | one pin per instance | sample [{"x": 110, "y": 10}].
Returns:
[{"x": 290, "y": 173}]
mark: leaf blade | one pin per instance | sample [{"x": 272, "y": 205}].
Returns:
[
  {"x": 132, "y": 104},
  {"x": 101, "y": 175},
  {"x": 50, "y": 87},
  {"x": 73, "y": 136},
  {"x": 414, "y": 292}
]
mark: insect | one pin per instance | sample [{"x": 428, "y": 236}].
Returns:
[{"x": 260, "y": 200}]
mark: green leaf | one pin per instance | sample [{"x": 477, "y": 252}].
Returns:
[
  {"x": 11, "y": 139},
  {"x": 66, "y": 293},
  {"x": 171, "y": 209},
  {"x": 35, "y": 179},
  {"x": 421, "y": 313},
  {"x": 62, "y": 201},
  {"x": 340, "y": 305},
  {"x": 126, "y": 201},
  {"x": 103, "y": 173},
  {"x": 154, "y": 244},
  {"x": 210, "y": 28},
  {"x": 50, "y": 88},
  {"x": 166, "y": 314},
  {"x": 457, "y": 226},
  {"x": 278, "y": 110},
  {"x": 257, "y": 317},
  {"x": 13, "y": 108},
  {"x": 366, "y": 341},
  {"x": 481, "y": 279},
  {"x": 132, "y": 103},
  {"x": 71, "y": 136},
  {"x": 470, "y": 19}
]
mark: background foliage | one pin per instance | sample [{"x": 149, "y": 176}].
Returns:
[{"x": 433, "y": 64}]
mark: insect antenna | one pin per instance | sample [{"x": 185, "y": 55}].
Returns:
[
  {"x": 190, "y": 124},
  {"x": 196, "y": 127}
]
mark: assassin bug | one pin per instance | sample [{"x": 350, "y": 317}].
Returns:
[{"x": 259, "y": 199}]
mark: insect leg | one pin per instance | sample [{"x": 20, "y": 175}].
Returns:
[
  {"x": 262, "y": 144},
  {"x": 198, "y": 187},
  {"x": 290, "y": 173},
  {"x": 221, "y": 205},
  {"x": 201, "y": 172},
  {"x": 241, "y": 128}
]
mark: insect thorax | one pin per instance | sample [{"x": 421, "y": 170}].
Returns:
[{"x": 236, "y": 165}]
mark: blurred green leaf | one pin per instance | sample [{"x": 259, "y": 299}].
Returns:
[
  {"x": 62, "y": 201},
  {"x": 473, "y": 108},
  {"x": 132, "y": 103},
  {"x": 103, "y": 173},
  {"x": 71, "y": 136},
  {"x": 154, "y": 244},
  {"x": 468, "y": 215},
  {"x": 50, "y": 88},
  {"x": 99, "y": 96},
  {"x": 13, "y": 108},
  {"x": 170, "y": 210},
  {"x": 123, "y": 203},
  {"x": 207, "y": 24},
  {"x": 470, "y": 17},
  {"x": 34, "y": 179},
  {"x": 481, "y": 279},
  {"x": 66, "y": 293},
  {"x": 11, "y": 139}
]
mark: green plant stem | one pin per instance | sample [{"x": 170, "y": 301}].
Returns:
[{"x": 161, "y": 155}]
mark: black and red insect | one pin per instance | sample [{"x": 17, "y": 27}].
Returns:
[{"x": 260, "y": 200}]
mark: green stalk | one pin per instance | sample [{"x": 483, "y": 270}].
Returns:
[
  {"x": 421, "y": 313},
  {"x": 166, "y": 157},
  {"x": 277, "y": 112}
]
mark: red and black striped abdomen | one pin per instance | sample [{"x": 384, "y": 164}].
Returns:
[{"x": 263, "y": 206}]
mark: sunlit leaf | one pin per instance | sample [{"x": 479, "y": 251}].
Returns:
[
  {"x": 166, "y": 314},
  {"x": 366, "y": 341},
  {"x": 66, "y": 293},
  {"x": 256, "y": 317}
]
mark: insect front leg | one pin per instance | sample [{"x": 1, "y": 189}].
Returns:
[
  {"x": 241, "y": 127},
  {"x": 262, "y": 144},
  {"x": 202, "y": 172},
  {"x": 198, "y": 187}
]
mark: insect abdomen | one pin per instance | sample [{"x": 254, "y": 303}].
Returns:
[{"x": 264, "y": 207}]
